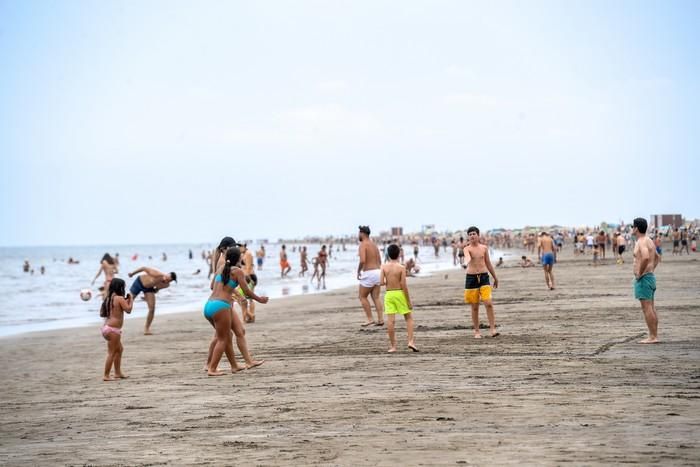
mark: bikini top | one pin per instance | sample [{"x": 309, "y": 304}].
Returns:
[{"x": 231, "y": 283}]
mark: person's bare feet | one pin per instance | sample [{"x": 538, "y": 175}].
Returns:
[
  {"x": 121, "y": 376},
  {"x": 495, "y": 333},
  {"x": 380, "y": 323},
  {"x": 477, "y": 335},
  {"x": 391, "y": 350},
  {"x": 413, "y": 348},
  {"x": 108, "y": 378},
  {"x": 649, "y": 340},
  {"x": 147, "y": 332},
  {"x": 238, "y": 368},
  {"x": 215, "y": 373},
  {"x": 368, "y": 323},
  {"x": 254, "y": 363}
]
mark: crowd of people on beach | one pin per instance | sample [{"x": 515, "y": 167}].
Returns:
[{"x": 233, "y": 278}]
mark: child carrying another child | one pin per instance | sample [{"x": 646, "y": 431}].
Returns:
[
  {"x": 396, "y": 299},
  {"x": 113, "y": 307}
]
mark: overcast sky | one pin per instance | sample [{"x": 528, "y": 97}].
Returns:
[{"x": 166, "y": 122}]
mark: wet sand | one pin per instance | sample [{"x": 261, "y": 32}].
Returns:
[{"x": 564, "y": 383}]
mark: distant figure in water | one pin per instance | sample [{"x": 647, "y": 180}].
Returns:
[
  {"x": 109, "y": 269},
  {"x": 26, "y": 266},
  {"x": 284, "y": 262},
  {"x": 196, "y": 272},
  {"x": 165, "y": 257},
  {"x": 260, "y": 257},
  {"x": 303, "y": 261},
  {"x": 73, "y": 261},
  {"x": 190, "y": 254},
  {"x": 500, "y": 262},
  {"x": 42, "y": 270}
]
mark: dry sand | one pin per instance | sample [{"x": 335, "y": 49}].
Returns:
[{"x": 564, "y": 383}]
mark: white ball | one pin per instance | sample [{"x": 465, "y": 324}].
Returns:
[{"x": 85, "y": 294}]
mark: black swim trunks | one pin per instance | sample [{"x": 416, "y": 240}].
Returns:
[{"x": 137, "y": 287}]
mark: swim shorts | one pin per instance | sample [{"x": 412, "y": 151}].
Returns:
[
  {"x": 477, "y": 287},
  {"x": 620, "y": 249},
  {"x": 548, "y": 259},
  {"x": 395, "y": 302},
  {"x": 369, "y": 279},
  {"x": 645, "y": 287},
  {"x": 137, "y": 287}
]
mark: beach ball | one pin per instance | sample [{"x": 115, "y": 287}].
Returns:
[{"x": 85, "y": 294}]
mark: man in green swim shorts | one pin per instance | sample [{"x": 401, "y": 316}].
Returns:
[
  {"x": 645, "y": 261},
  {"x": 396, "y": 299}
]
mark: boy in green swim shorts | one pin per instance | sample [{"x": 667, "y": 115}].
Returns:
[{"x": 396, "y": 299}]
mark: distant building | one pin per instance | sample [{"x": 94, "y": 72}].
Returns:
[
  {"x": 659, "y": 220},
  {"x": 396, "y": 231}
]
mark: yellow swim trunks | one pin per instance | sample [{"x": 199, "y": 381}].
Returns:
[
  {"x": 477, "y": 287},
  {"x": 395, "y": 302}
]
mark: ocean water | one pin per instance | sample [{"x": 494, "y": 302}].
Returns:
[{"x": 35, "y": 302}]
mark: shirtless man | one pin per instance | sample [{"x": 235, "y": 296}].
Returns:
[
  {"x": 645, "y": 261},
  {"x": 548, "y": 252},
  {"x": 284, "y": 263},
  {"x": 621, "y": 245},
  {"x": 684, "y": 241},
  {"x": 260, "y": 257},
  {"x": 477, "y": 287},
  {"x": 600, "y": 240},
  {"x": 150, "y": 282},
  {"x": 368, "y": 272},
  {"x": 248, "y": 266}
]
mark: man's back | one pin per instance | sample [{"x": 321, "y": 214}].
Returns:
[{"x": 369, "y": 254}]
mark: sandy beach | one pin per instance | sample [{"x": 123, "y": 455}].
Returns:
[{"x": 564, "y": 383}]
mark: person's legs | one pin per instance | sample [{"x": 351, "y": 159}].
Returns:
[
  {"x": 409, "y": 330},
  {"x": 118, "y": 361},
  {"x": 651, "y": 320},
  {"x": 550, "y": 270},
  {"x": 113, "y": 343},
  {"x": 391, "y": 332},
  {"x": 546, "y": 275},
  {"x": 363, "y": 294},
  {"x": 212, "y": 344},
  {"x": 222, "y": 324},
  {"x": 151, "y": 302},
  {"x": 378, "y": 305},
  {"x": 491, "y": 317},
  {"x": 475, "y": 320},
  {"x": 242, "y": 343},
  {"x": 251, "y": 311}
]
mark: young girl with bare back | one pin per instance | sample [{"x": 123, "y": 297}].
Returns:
[
  {"x": 396, "y": 300},
  {"x": 113, "y": 307}
]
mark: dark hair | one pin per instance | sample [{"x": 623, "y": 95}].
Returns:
[
  {"x": 233, "y": 255},
  {"x": 523, "y": 257},
  {"x": 116, "y": 287},
  {"x": 364, "y": 229},
  {"x": 641, "y": 224},
  {"x": 173, "y": 276},
  {"x": 107, "y": 258},
  {"x": 226, "y": 242},
  {"x": 473, "y": 229},
  {"x": 252, "y": 278},
  {"x": 393, "y": 251}
]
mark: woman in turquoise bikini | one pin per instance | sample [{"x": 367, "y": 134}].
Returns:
[{"x": 218, "y": 312}]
